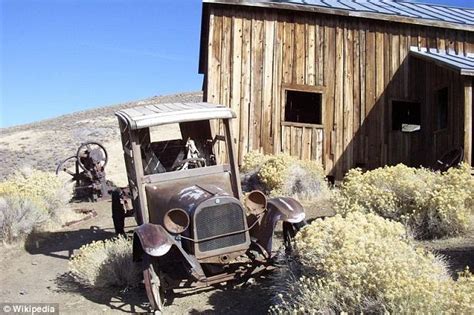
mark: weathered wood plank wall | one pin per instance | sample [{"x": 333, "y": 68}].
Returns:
[{"x": 359, "y": 65}]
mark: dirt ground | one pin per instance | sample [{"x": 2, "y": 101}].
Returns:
[{"x": 39, "y": 273}]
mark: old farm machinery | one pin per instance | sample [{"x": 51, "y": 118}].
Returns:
[{"x": 87, "y": 171}]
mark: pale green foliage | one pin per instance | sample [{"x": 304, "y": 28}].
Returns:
[
  {"x": 44, "y": 189},
  {"x": 285, "y": 175},
  {"x": 32, "y": 199},
  {"x": 106, "y": 264},
  {"x": 18, "y": 217},
  {"x": 364, "y": 263},
  {"x": 430, "y": 203},
  {"x": 253, "y": 161}
]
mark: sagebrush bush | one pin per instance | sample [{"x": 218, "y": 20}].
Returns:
[
  {"x": 106, "y": 263},
  {"x": 364, "y": 263},
  {"x": 45, "y": 189},
  {"x": 18, "y": 217},
  {"x": 431, "y": 204},
  {"x": 286, "y": 175},
  {"x": 32, "y": 200},
  {"x": 253, "y": 161}
]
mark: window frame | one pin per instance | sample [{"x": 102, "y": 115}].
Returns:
[
  {"x": 406, "y": 100},
  {"x": 302, "y": 88},
  {"x": 436, "y": 107}
]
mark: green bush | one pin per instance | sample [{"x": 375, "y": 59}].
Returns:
[
  {"x": 32, "y": 199},
  {"x": 431, "y": 204},
  {"x": 284, "y": 175},
  {"x": 45, "y": 189},
  {"x": 364, "y": 263},
  {"x": 106, "y": 264},
  {"x": 18, "y": 218},
  {"x": 253, "y": 161}
]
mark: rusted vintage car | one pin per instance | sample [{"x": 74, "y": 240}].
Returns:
[{"x": 195, "y": 226}]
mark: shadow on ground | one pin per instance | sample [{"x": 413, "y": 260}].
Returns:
[
  {"x": 130, "y": 300},
  {"x": 458, "y": 258},
  {"x": 62, "y": 244},
  {"x": 241, "y": 299}
]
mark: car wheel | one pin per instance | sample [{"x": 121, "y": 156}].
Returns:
[
  {"x": 152, "y": 283},
  {"x": 289, "y": 233}
]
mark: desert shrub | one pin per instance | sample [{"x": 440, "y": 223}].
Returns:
[
  {"x": 44, "y": 189},
  {"x": 18, "y": 218},
  {"x": 431, "y": 204},
  {"x": 364, "y": 263},
  {"x": 105, "y": 264},
  {"x": 253, "y": 161},
  {"x": 31, "y": 200},
  {"x": 285, "y": 175}
]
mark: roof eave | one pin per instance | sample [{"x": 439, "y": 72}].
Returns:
[
  {"x": 462, "y": 71},
  {"x": 341, "y": 12}
]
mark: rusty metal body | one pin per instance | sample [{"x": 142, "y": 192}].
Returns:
[{"x": 195, "y": 226}]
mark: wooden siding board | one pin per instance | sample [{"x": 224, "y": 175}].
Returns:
[
  {"x": 467, "y": 85},
  {"x": 267, "y": 101},
  {"x": 310, "y": 52},
  {"x": 245, "y": 100},
  {"x": 329, "y": 43},
  {"x": 339, "y": 99},
  {"x": 299, "y": 54},
  {"x": 320, "y": 52},
  {"x": 256, "y": 82},
  {"x": 348, "y": 98},
  {"x": 357, "y": 97},
  {"x": 277, "y": 85},
  {"x": 236, "y": 83}
]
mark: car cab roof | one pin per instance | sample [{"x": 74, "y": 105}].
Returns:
[{"x": 168, "y": 113}]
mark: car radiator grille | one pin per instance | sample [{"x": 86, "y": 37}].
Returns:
[{"x": 218, "y": 220}]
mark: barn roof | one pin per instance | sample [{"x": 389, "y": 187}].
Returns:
[
  {"x": 397, "y": 11},
  {"x": 162, "y": 114},
  {"x": 447, "y": 59}
]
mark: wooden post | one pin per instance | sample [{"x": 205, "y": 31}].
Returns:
[
  {"x": 468, "y": 120},
  {"x": 234, "y": 168},
  {"x": 142, "y": 211}
]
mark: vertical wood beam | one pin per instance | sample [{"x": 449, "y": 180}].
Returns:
[
  {"x": 234, "y": 167},
  {"x": 468, "y": 120},
  {"x": 142, "y": 211}
]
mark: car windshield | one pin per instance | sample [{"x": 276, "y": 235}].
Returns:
[{"x": 176, "y": 147}]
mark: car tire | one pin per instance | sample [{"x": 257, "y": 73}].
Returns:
[{"x": 151, "y": 280}]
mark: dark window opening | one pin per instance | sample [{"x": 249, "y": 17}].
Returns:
[
  {"x": 442, "y": 98},
  {"x": 406, "y": 116},
  {"x": 303, "y": 107}
]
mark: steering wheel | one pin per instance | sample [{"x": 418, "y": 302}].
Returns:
[
  {"x": 199, "y": 162},
  {"x": 93, "y": 152}
]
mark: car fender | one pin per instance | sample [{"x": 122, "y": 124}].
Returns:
[
  {"x": 154, "y": 240},
  {"x": 288, "y": 209},
  {"x": 284, "y": 209},
  {"x": 151, "y": 239}
]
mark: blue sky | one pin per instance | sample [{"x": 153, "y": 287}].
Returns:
[{"x": 62, "y": 56}]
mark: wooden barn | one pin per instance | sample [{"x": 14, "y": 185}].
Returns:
[{"x": 348, "y": 83}]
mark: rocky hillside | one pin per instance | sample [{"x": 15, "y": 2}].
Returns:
[{"x": 44, "y": 144}]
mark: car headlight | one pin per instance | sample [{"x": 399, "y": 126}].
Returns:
[{"x": 176, "y": 220}]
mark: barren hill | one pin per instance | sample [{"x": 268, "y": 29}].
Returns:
[{"x": 43, "y": 144}]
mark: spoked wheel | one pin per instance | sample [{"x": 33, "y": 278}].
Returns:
[
  {"x": 152, "y": 283},
  {"x": 96, "y": 153},
  {"x": 68, "y": 166}
]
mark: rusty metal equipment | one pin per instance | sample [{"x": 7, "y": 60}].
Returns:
[
  {"x": 450, "y": 159},
  {"x": 87, "y": 169},
  {"x": 195, "y": 226}
]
